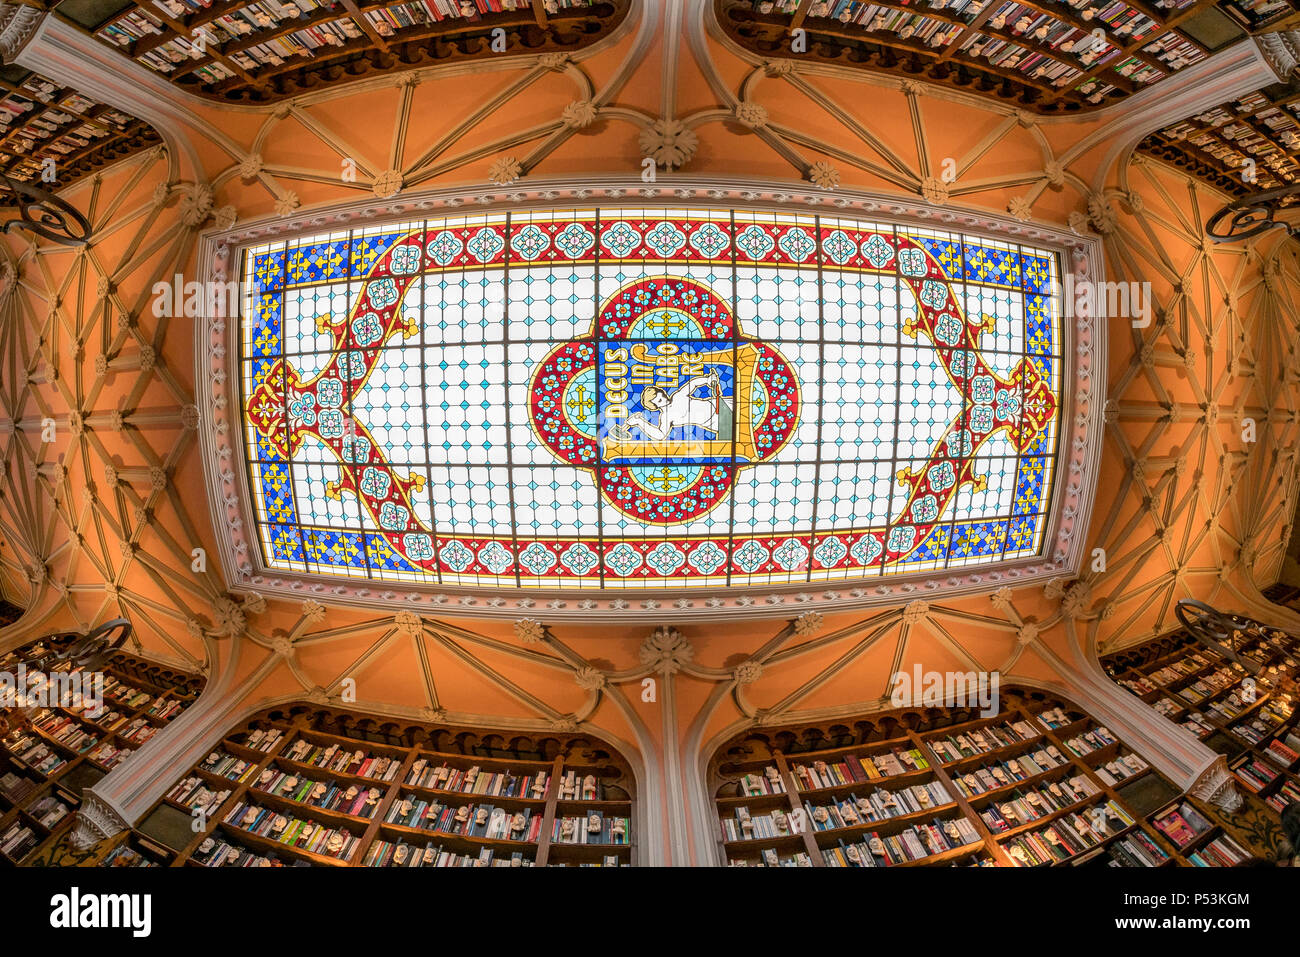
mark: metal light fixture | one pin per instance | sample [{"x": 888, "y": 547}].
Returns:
[
  {"x": 43, "y": 213},
  {"x": 1252, "y": 216}
]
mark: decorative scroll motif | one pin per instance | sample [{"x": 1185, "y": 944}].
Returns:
[
  {"x": 46, "y": 215},
  {"x": 1251, "y": 216}
]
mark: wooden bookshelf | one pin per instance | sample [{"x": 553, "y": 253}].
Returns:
[
  {"x": 1049, "y": 56},
  {"x": 43, "y": 121},
  {"x": 241, "y": 51},
  {"x": 1194, "y": 686},
  {"x": 373, "y": 792},
  {"x": 51, "y": 754},
  {"x": 931, "y": 787}
]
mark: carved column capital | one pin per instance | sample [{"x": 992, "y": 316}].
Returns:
[
  {"x": 18, "y": 25},
  {"x": 1281, "y": 50},
  {"x": 96, "y": 821},
  {"x": 1214, "y": 785}
]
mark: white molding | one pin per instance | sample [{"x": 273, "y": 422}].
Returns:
[
  {"x": 222, "y": 435},
  {"x": 1219, "y": 79},
  {"x": 64, "y": 54}
]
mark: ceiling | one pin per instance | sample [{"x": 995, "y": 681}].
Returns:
[{"x": 112, "y": 516}]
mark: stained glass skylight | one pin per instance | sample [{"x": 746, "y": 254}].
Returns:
[{"x": 625, "y": 398}]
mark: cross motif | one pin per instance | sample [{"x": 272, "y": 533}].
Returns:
[
  {"x": 581, "y": 403},
  {"x": 664, "y": 326},
  {"x": 665, "y": 479}
]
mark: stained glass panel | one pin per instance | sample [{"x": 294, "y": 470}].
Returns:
[{"x": 624, "y": 398}]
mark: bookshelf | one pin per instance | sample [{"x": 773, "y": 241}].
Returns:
[
  {"x": 1050, "y": 56},
  {"x": 1038, "y": 783},
  {"x": 1194, "y": 686},
  {"x": 258, "y": 52},
  {"x": 43, "y": 120},
  {"x": 49, "y": 755},
  {"x": 305, "y": 786},
  {"x": 1190, "y": 826},
  {"x": 1262, "y": 126}
]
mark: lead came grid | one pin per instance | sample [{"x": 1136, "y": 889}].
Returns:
[{"x": 449, "y": 404}]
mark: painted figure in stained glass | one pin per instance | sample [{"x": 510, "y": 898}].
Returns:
[{"x": 674, "y": 403}]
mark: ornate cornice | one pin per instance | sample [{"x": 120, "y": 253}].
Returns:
[
  {"x": 222, "y": 435},
  {"x": 18, "y": 24},
  {"x": 1282, "y": 51}
]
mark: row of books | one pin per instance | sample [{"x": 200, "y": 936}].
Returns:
[
  {"x": 1288, "y": 793},
  {"x": 124, "y": 855},
  {"x": 263, "y": 739},
  {"x": 1094, "y": 740},
  {"x": 853, "y": 769},
  {"x": 1054, "y": 718},
  {"x": 467, "y": 820},
  {"x": 1021, "y": 807},
  {"x": 193, "y": 792},
  {"x": 1008, "y": 771},
  {"x": 744, "y": 826},
  {"x": 1255, "y": 774},
  {"x": 590, "y": 828},
  {"x": 14, "y": 787},
  {"x": 1182, "y": 824},
  {"x": 36, "y": 754},
  {"x": 914, "y": 844},
  {"x": 17, "y": 841},
  {"x": 1136, "y": 850},
  {"x": 474, "y": 780},
  {"x": 877, "y": 806},
  {"x": 108, "y": 754},
  {"x": 66, "y": 730},
  {"x": 357, "y": 763},
  {"x": 292, "y": 831},
  {"x": 327, "y": 795},
  {"x": 759, "y": 785},
  {"x": 1067, "y": 836},
  {"x": 217, "y": 851},
  {"x": 772, "y": 858},
  {"x": 1123, "y": 767},
  {"x": 227, "y": 765},
  {"x": 400, "y": 854},
  {"x": 49, "y": 810},
  {"x": 1198, "y": 724},
  {"x": 1223, "y": 851},
  {"x": 981, "y": 740}
]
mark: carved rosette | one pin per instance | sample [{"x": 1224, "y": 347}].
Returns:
[
  {"x": 747, "y": 672},
  {"x": 589, "y": 678},
  {"x": 665, "y": 650},
  {"x": 916, "y": 611},
  {"x": 807, "y": 624},
  {"x": 529, "y": 631},
  {"x": 408, "y": 623}
]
